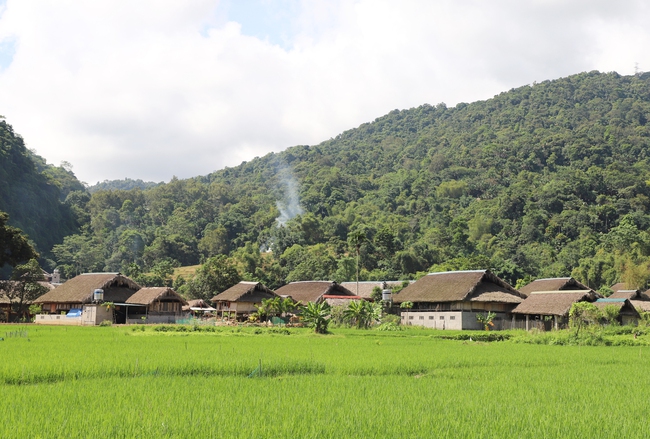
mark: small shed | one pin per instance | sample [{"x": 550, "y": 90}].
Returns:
[
  {"x": 315, "y": 291},
  {"x": 627, "y": 313},
  {"x": 155, "y": 304},
  {"x": 239, "y": 300},
  {"x": 197, "y": 307},
  {"x": 549, "y": 309}
]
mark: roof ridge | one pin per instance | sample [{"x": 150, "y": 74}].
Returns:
[{"x": 457, "y": 271}]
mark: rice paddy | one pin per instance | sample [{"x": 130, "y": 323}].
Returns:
[{"x": 79, "y": 382}]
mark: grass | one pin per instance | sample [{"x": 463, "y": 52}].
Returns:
[{"x": 117, "y": 382}]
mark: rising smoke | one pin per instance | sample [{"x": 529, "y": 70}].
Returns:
[{"x": 289, "y": 205}]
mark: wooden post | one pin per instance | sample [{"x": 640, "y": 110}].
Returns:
[
  {"x": 555, "y": 318},
  {"x": 526, "y": 322}
]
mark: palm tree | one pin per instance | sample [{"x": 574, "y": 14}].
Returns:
[
  {"x": 357, "y": 313},
  {"x": 406, "y": 305},
  {"x": 317, "y": 316}
]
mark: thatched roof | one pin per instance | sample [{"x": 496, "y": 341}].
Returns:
[
  {"x": 366, "y": 287},
  {"x": 457, "y": 286},
  {"x": 624, "y": 306},
  {"x": 197, "y": 303},
  {"x": 553, "y": 303},
  {"x": 148, "y": 295},
  {"x": 312, "y": 291},
  {"x": 245, "y": 292},
  {"x": 643, "y": 305},
  {"x": 117, "y": 288},
  {"x": 553, "y": 284}
]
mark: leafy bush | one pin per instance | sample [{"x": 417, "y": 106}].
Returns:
[{"x": 106, "y": 323}]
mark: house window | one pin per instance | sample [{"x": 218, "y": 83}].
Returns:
[
  {"x": 410, "y": 317},
  {"x": 442, "y": 317},
  {"x": 431, "y": 317},
  {"x": 452, "y": 317},
  {"x": 421, "y": 317}
]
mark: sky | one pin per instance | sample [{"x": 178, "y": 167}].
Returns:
[{"x": 160, "y": 88}]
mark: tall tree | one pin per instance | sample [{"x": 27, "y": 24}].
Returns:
[{"x": 14, "y": 246}]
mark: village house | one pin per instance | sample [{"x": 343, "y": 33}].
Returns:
[
  {"x": 240, "y": 300},
  {"x": 453, "y": 299},
  {"x": 81, "y": 296},
  {"x": 546, "y": 310},
  {"x": 638, "y": 299},
  {"x": 627, "y": 313},
  {"x": 552, "y": 284},
  {"x": 154, "y": 305},
  {"x": 316, "y": 292}
]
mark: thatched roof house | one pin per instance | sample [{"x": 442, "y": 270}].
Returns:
[
  {"x": 453, "y": 287},
  {"x": 621, "y": 291},
  {"x": 553, "y": 284},
  {"x": 10, "y": 299},
  {"x": 452, "y": 299},
  {"x": 155, "y": 304},
  {"x": 79, "y": 290},
  {"x": 553, "y": 303},
  {"x": 366, "y": 287},
  {"x": 241, "y": 299},
  {"x": 150, "y": 295},
  {"x": 627, "y": 313},
  {"x": 313, "y": 291}
]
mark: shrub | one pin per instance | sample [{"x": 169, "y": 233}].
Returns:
[{"x": 106, "y": 323}]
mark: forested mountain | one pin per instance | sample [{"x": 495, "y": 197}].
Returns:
[
  {"x": 125, "y": 185},
  {"x": 34, "y": 193},
  {"x": 543, "y": 180}
]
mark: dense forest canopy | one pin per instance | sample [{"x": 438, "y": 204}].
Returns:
[
  {"x": 544, "y": 180},
  {"x": 34, "y": 193}
]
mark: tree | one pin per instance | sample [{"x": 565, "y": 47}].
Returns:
[
  {"x": 582, "y": 314},
  {"x": 14, "y": 246},
  {"x": 217, "y": 274},
  {"x": 317, "y": 316},
  {"x": 25, "y": 287},
  {"x": 357, "y": 314},
  {"x": 486, "y": 319},
  {"x": 407, "y": 305}
]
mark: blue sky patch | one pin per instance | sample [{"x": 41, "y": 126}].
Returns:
[
  {"x": 7, "y": 52},
  {"x": 268, "y": 20}
]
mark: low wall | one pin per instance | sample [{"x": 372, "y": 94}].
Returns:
[
  {"x": 54, "y": 319},
  {"x": 451, "y": 320},
  {"x": 154, "y": 319}
]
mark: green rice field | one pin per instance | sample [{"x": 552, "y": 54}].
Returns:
[{"x": 121, "y": 382}]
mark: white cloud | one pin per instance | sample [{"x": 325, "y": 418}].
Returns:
[{"x": 154, "y": 88}]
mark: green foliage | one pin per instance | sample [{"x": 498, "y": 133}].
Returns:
[
  {"x": 541, "y": 181},
  {"x": 486, "y": 319},
  {"x": 317, "y": 316},
  {"x": 14, "y": 246},
  {"x": 582, "y": 314},
  {"x": 216, "y": 275}
]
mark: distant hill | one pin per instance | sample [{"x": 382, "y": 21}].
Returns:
[
  {"x": 33, "y": 192},
  {"x": 124, "y": 185},
  {"x": 549, "y": 179}
]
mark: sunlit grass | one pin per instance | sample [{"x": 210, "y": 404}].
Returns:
[{"x": 116, "y": 382}]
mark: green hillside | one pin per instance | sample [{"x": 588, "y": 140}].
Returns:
[
  {"x": 34, "y": 193},
  {"x": 540, "y": 181}
]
